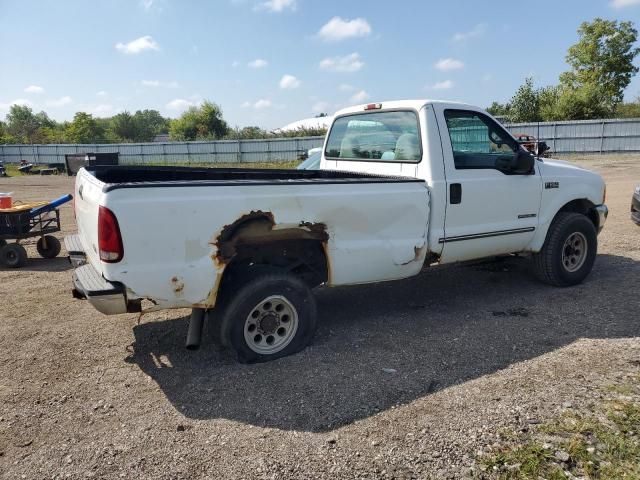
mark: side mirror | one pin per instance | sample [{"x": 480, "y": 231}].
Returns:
[
  {"x": 543, "y": 147},
  {"x": 523, "y": 162}
]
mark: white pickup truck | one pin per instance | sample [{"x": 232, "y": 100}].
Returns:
[{"x": 403, "y": 185}]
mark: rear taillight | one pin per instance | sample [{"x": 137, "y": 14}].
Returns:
[{"x": 109, "y": 239}]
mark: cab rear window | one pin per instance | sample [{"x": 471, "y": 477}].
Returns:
[{"x": 391, "y": 136}]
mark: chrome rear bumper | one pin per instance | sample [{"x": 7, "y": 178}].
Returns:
[{"x": 107, "y": 297}]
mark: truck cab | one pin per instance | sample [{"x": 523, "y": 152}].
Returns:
[{"x": 488, "y": 195}]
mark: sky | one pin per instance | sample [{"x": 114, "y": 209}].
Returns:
[{"x": 271, "y": 62}]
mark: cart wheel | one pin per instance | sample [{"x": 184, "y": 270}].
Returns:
[
  {"x": 13, "y": 255},
  {"x": 48, "y": 246}
]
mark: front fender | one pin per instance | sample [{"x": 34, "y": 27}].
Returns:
[{"x": 564, "y": 183}]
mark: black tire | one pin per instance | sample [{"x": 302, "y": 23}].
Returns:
[
  {"x": 13, "y": 255},
  {"x": 548, "y": 264},
  {"x": 251, "y": 295},
  {"x": 48, "y": 246}
]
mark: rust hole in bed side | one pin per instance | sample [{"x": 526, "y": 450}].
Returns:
[{"x": 259, "y": 228}]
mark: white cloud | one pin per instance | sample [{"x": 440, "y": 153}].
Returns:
[
  {"x": 445, "y": 85},
  {"x": 102, "y": 109},
  {"x": 235, "y": 64},
  {"x": 289, "y": 82},
  {"x": 447, "y": 64},
  {"x": 360, "y": 97},
  {"x": 624, "y": 3},
  {"x": 258, "y": 63},
  {"x": 345, "y": 87},
  {"x": 147, "y": 4},
  {"x": 34, "y": 89},
  {"x": 59, "y": 102},
  {"x": 158, "y": 83},
  {"x": 338, "y": 29},
  {"x": 277, "y": 5},
  {"x": 262, "y": 103},
  {"x": 18, "y": 101},
  {"x": 348, "y": 63},
  {"x": 138, "y": 45},
  {"x": 320, "y": 107},
  {"x": 101, "y": 93},
  {"x": 180, "y": 104},
  {"x": 476, "y": 31}
]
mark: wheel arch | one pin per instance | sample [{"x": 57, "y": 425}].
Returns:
[
  {"x": 582, "y": 206},
  {"x": 255, "y": 242}
]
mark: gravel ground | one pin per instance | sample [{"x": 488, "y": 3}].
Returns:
[{"x": 409, "y": 379}]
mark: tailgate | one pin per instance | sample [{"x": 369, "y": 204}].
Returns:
[{"x": 88, "y": 196}]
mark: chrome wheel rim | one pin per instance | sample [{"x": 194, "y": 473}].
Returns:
[
  {"x": 271, "y": 325},
  {"x": 574, "y": 252}
]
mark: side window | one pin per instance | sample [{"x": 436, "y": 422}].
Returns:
[{"x": 477, "y": 141}]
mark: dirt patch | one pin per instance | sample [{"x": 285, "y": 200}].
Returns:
[{"x": 408, "y": 379}]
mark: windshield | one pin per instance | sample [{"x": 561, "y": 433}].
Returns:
[
  {"x": 311, "y": 163},
  {"x": 380, "y": 136}
]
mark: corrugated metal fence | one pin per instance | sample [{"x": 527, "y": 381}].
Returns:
[
  {"x": 587, "y": 136},
  {"x": 224, "y": 151}
]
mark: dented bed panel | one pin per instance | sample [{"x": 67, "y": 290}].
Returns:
[{"x": 178, "y": 241}]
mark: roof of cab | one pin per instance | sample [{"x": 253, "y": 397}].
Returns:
[{"x": 413, "y": 104}]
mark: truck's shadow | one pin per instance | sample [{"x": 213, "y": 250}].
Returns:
[
  {"x": 382, "y": 345},
  {"x": 37, "y": 264}
]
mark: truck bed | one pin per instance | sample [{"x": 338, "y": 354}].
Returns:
[
  {"x": 178, "y": 242},
  {"x": 116, "y": 177}
]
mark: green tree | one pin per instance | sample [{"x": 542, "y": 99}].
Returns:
[
  {"x": 84, "y": 129},
  {"x": 525, "y": 104},
  {"x": 22, "y": 124},
  {"x": 629, "y": 109},
  {"x": 601, "y": 65},
  {"x": 203, "y": 122},
  {"x": 123, "y": 127},
  {"x": 248, "y": 133},
  {"x": 304, "y": 132},
  {"x": 149, "y": 123},
  {"x": 5, "y": 137},
  {"x": 498, "y": 109},
  {"x": 548, "y": 99},
  {"x": 581, "y": 104}
]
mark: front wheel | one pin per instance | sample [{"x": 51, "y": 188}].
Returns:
[
  {"x": 270, "y": 316},
  {"x": 569, "y": 250}
]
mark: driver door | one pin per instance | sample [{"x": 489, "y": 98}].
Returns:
[{"x": 491, "y": 210}]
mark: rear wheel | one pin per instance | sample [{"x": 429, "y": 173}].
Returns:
[
  {"x": 48, "y": 246},
  {"x": 13, "y": 255},
  {"x": 569, "y": 250},
  {"x": 270, "y": 316}
]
